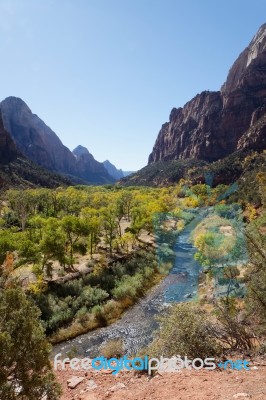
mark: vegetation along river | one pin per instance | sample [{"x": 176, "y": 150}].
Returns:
[{"x": 138, "y": 324}]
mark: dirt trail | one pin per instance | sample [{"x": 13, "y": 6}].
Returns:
[{"x": 184, "y": 385}]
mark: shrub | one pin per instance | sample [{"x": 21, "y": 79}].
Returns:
[
  {"x": 113, "y": 348},
  {"x": 112, "y": 309},
  {"x": 99, "y": 315},
  {"x": 184, "y": 331},
  {"x": 24, "y": 351}
]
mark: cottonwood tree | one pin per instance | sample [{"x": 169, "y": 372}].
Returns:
[
  {"x": 21, "y": 203},
  {"x": 93, "y": 222},
  {"x": 110, "y": 225},
  {"x": 53, "y": 242},
  {"x": 74, "y": 228}
]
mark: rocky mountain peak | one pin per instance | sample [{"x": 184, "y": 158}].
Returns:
[
  {"x": 255, "y": 50},
  {"x": 14, "y": 106},
  {"x": 257, "y": 45},
  {"x": 14, "y": 102},
  {"x": 210, "y": 126},
  {"x": 112, "y": 170},
  {"x": 80, "y": 151},
  {"x": 36, "y": 141}
]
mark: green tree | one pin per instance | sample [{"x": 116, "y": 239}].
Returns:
[
  {"x": 21, "y": 202},
  {"x": 53, "y": 242},
  {"x": 93, "y": 222},
  {"x": 74, "y": 228},
  {"x": 25, "y": 370},
  {"x": 110, "y": 226}
]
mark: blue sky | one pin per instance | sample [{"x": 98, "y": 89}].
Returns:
[{"x": 106, "y": 73}]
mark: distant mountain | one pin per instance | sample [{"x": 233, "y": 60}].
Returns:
[
  {"x": 127, "y": 173},
  {"x": 89, "y": 169},
  {"x": 114, "y": 172},
  {"x": 36, "y": 141},
  {"x": 215, "y": 124},
  {"x": 17, "y": 171}
]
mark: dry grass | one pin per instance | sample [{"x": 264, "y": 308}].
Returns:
[{"x": 113, "y": 348}]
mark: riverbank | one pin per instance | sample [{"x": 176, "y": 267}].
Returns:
[
  {"x": 111, "y": 311},
  {"x": 78, "y": 328},
  {"x": 137, "y": 325}
]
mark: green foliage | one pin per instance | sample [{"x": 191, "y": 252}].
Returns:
[
  {"x": 76, "y": 298},
  {"x": 184, "y": 330},
  {"x": 256, "y": 273},
  {"x": 6, "y": 244},
  {"x": 52, "y": 244},
  {"x": 24, "y": 351},
  {"x": 162, "y": 172}
]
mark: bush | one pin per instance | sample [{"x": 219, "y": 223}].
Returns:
[
  {"x": 184, "y": 331},
  {"x": 112, "y": 309},
  {"x": 99, "y": 315},
  {"x": 113, "y": 348},
  {"x": 24, "y": 351}
]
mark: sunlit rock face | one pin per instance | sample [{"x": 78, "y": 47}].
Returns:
[{"x": 214, "y": 124}]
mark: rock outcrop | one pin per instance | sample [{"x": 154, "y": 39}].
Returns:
[{"x": 215, "y": 124}]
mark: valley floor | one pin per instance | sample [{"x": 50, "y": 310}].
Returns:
[{"x": 184, "y": 385}]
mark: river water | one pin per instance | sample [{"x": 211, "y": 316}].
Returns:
[{"x": 138, "y": 324}]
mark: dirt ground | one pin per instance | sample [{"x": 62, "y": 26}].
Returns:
[{"x": 183, "y": 385}]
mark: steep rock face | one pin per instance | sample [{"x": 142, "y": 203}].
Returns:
[
  {"x": 34, "y": 138},
  {"x": 210, "y": 126},
  {"x": 40, "y": 144},
  {"x": 18, "y": 171},
  {"x": 88, "y": 168},
  {"x": 191, "y": 131},
  {"x": 112, "y": 170},
  {"x": 255, "y": 137},
  {"x": 8, "y": 150}
]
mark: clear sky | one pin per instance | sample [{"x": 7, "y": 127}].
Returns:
[{"x": 106, "y": 73}]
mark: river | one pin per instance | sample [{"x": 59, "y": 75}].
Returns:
[{"x": 137, "y": 326}]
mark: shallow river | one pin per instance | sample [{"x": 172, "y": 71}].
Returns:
[{"x": 138, "y": 324}]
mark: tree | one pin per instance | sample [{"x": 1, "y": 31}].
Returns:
[
  {"x": 110, "y": 226},
  {"x": 74, "y": 228},
  {"x": 256, "y": 274},
  {"x": 92, "y": 220},
  {"x": 6, "y": 244},
  {"x": 25, "y": 370},
  {"x": 126, "y": 202},
  {"x": 21, "y": 202},
  {"x": 52, "y": 244}
]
